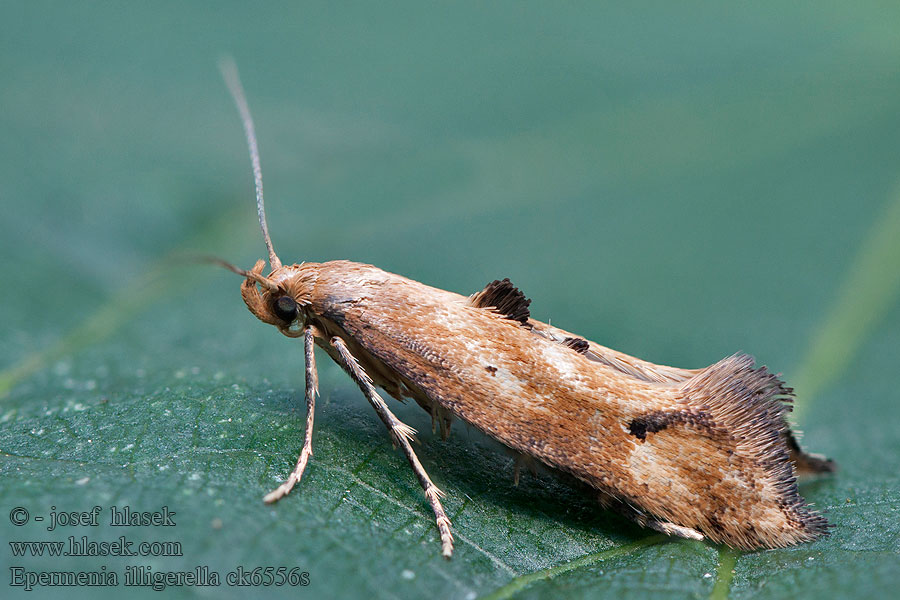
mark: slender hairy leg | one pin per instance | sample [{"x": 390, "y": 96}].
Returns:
[
  {"x": 312, "y": 388},
  {"x": 638, "y": 516},
  {"x": 402, "y": 434}
]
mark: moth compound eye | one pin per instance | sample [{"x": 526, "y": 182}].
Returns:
[{"x": 286, "y": 308}]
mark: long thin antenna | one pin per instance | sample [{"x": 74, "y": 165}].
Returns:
[
  {"x": 258, "y": 278},
  {"x": 233, "y": 81}
]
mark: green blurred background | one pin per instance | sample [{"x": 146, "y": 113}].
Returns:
[{"x": 675, "y": 180}]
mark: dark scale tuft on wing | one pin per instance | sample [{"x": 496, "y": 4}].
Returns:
[{"x": 503, "y": 298}]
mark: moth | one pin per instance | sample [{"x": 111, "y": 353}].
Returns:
[{"x": 702, "y": 453}]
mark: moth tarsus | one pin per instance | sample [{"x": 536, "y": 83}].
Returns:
[{"x": 703, "y": 453}]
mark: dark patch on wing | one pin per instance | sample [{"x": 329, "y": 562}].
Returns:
[
  {"x": 579, "y": 345},
  {"x": 492, "y": 370},
  {"x": 656, "y": 421},
  {"x": 504, "y": 298}
]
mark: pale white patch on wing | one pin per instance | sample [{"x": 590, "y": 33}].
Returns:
[
  {"x": 646, "y": 465},
  {"x": 511, "y": 387},
  {"x": 560, "y": 358}
]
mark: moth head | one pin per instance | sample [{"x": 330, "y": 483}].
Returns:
[{"x": 279, "y": 298}]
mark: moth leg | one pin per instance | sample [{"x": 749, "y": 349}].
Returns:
[
  {"x": 312, "y": 388},
  {"x": 641, "y": 518},
  {"x": 401, "y": 434},
  {"x": 440, "y": 418},
  {"x": 523, "y": 460},
  {"x": 672, "y": 529}
]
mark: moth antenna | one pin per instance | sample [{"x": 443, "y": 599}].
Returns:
[
  {"x": 257, "y": 277},
  {"x": 230, "y": 74}
]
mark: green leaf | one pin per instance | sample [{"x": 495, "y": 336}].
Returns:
[{"x": 678, "y": 183}]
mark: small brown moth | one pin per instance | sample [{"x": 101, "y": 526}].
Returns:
[{"x": 705, "y": 453}]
